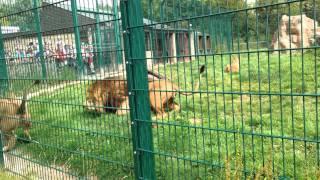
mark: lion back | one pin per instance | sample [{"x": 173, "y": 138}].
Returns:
[{"x": 160, "y": 92}]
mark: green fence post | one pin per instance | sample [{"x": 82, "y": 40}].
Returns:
[
  {"x": 4, "y": 83},
  {"x": 77, "y": 36},
  {"x": 98, "y": 37},
  {"x": 39, "y": 36},
  {"x": 117, "y": 32},
  {"x": 136, "y": 69},
  {"x": 163, "y": 36}
]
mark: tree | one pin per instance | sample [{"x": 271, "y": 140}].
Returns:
[
  {"x": 167, "y": 10},
  {"x": 312, "y": 9},
  {"x": 16, "y": 14},
  {"x": 270, "y": 16}
]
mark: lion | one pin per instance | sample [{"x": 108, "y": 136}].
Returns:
[
  {"x": 14, "y": 114},
  {"x": 162, "y": 94},
  {"x": 233, "y": 67},
  {"x": 112, "y": 94},
  {"x": 108, "y": 93}
]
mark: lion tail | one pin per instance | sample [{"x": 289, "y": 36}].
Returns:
[{"x": 23, "y": 106}]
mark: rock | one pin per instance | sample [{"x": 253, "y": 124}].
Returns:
[{"x": 298, "y": 34}]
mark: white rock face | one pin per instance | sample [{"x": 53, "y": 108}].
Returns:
[{"x": 295, "y": 32}]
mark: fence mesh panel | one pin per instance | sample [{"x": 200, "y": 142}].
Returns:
[{"x": 170, "y": 89}]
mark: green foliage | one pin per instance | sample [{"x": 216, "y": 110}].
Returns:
[
  {"x": 168, "y": 9},
  {"x": 23, "y": 19},
  {"x": 250, "y": 25},
  {"x": 6, "y": 176},
  {"x": 268, "y": 18},
  {"x": 312, "y": 9}
]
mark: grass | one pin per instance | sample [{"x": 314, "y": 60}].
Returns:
[
  {"x": 260, "y": 122},
  {"x": 6, "y": 176},
  {"x": 19, "y": 83}
]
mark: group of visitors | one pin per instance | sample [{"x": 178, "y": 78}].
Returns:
[{"x": 63, "y": 54}]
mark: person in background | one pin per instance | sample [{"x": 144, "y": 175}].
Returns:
[
  {"x": 90, "y": 58},
  {"x": 48, "y": 52},
  {"x": 36, "y": 51},
  {"x": 71, "y": 56},
  {"x": 17, "y": 55},
  {"x": 87, "y": 56},
  {"x": 60, "y": 55},
  {"x": 20, "y": 54},
  {"x": 30, "y": 52},
  {"x": 84, "y": 57},
  {"x": 9, "y": 56}
]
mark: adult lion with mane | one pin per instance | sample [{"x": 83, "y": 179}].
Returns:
[{"x": 111, "y": 94}]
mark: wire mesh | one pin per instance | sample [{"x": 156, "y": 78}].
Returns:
[
  {"x": 80, "y": 43},
  {"x": 170, "y": 89},
  {"x": 255, "y": 113}
]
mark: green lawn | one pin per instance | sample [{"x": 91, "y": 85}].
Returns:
[
  {"x": 18, "y": 84},
  {"x": 253, "y": 121},
  {"x": 6, "y": 176}
]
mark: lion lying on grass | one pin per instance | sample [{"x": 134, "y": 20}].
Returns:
[
  {"x": 234, "y": 67},
  {"x": 112, "y": 94}
]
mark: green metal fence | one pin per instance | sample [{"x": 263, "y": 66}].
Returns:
[{"x": 211, "y": 89}]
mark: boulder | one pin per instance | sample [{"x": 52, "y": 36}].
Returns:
[{"x": 295, "y": 32}]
